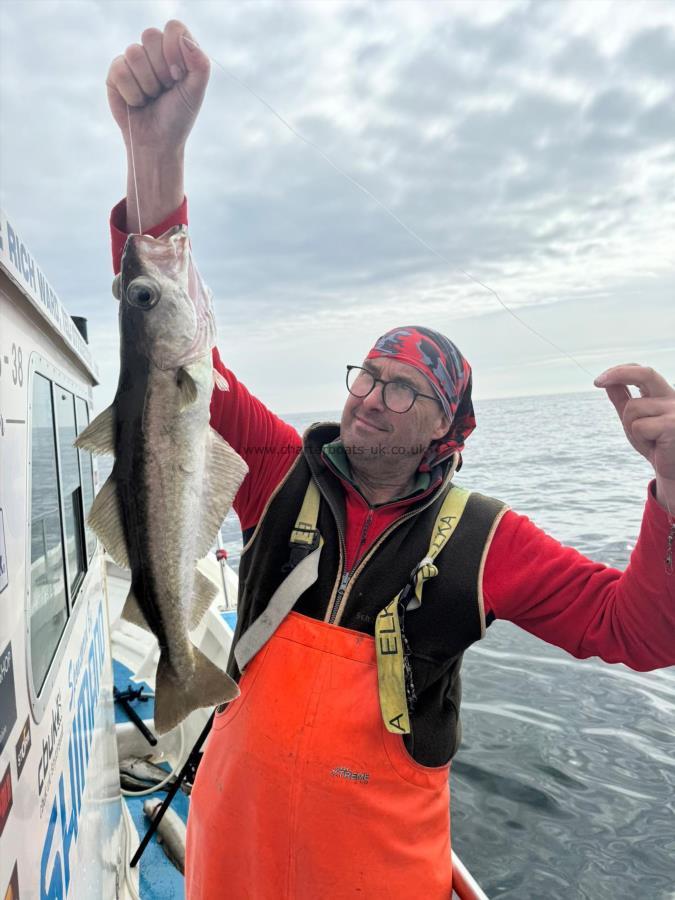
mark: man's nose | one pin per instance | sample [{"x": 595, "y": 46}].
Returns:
[{"x": 375, "y": 399}]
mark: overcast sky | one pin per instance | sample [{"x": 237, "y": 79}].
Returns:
[{"x": 532, "y": 144}]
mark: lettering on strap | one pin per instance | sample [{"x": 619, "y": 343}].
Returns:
[{"x": 393, "y": 666}]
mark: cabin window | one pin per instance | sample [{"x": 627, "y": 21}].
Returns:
[
  {"x": 71, "y": 491},
  {"x": 48, "y": 609},
  {"x": 87, "y": 471}
]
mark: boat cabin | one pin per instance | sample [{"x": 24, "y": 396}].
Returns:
[{"x": 56, "y": 707}]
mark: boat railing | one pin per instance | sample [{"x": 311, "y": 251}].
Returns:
[{"x": 464, "y": 885}]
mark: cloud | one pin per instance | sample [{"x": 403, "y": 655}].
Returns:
[
  {"x": 529, "y": 144},
  {"x": 651, "y": 52}
]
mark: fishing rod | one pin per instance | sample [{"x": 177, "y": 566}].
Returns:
[{"x": 189, "y": 767}]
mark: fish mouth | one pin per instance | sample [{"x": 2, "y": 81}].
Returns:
[
  {"x": 167, "y": 255},
  {"x": 158, "y": 272},
  {"x": 132, "y": 265},
  {"x": 137, "y": 268}
]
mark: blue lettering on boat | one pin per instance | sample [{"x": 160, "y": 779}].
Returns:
[{"x": 58, "y": 844}]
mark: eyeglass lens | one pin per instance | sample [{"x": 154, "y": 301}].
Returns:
[{"x": 397, "y": 397}]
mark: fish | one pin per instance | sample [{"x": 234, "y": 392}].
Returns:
[
  {"x": 136, "y": 785},
  {"x": 141, "y": 768},
  {"x": 174, "y": 477},
  {"x": 140, "y": 773},
  {"x": 171, "y": 832}
]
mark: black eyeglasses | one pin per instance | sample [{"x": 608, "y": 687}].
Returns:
[{"x": 397, "y": 396}]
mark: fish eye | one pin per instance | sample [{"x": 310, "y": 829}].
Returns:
[{"x": 143, "y": 292}]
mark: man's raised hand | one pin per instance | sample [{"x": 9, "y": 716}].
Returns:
[
  {"x": 648, "y": 420},
  {"x": 157, "y": 87},
  {"x": 163, "y": 79}
]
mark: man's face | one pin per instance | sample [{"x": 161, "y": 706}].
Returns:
[{"x": 369, "y": 430}]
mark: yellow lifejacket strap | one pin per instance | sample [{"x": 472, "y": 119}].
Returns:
[
  {"x": 301, "y": 571},
  {"x": 305, "y": 525},
  {"x": 389, "y": 641},
  {"x": 305, "y": 535}
]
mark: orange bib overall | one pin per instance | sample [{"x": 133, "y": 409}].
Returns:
[{"x": 302, "y": 794}]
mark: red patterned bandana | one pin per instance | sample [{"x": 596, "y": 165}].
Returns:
[{"x": 449, "y": 374}]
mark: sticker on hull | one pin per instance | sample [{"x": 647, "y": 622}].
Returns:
[
  {"x": 12, "y": 892},
  {"x": 6, "y": 798},
  {"x": 7, "y": 695},
  {"x": 23, "y": 748}
]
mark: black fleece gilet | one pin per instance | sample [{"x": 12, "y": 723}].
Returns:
[{"x": 450, "y": 619}]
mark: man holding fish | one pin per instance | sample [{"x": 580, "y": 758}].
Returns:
[{"x": 365, "y": 576}]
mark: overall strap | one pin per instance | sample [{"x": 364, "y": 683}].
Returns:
[
  {"x": 393, "y": 665},
  {"x": 303, "y": 570}
]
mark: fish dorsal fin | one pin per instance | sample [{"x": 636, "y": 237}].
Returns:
[
  {"x": 105, "y": 519},
  {"x": 187, "y": 387},
  {"x": 99, "y": 435},
  {"x": 203, "y": 595},
  {"x": 223, "y": 474},
  {"x": 133, "y": 613}
]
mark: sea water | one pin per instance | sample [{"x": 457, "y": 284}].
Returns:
[{"x": 564, "y": 786}]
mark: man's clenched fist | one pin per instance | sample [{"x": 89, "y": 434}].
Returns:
[{"x": 163, "y": 79}]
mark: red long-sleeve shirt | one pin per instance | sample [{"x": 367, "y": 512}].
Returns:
[{"x": 529, "y": 578}]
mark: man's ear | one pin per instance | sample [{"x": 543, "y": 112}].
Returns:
[
  {"x": 116, "y": 286},
  {"x": 443, "y": 427}
]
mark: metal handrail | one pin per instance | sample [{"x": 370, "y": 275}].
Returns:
[{"x": 464, "y": 884}]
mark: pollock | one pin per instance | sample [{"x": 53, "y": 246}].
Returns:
[
  {"x": 174, "y": 478},
  {"x": 171, "y": 832}
]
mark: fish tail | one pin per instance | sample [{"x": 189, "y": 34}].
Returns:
[{"x": 176, "y": 697}]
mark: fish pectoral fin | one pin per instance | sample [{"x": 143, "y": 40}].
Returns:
[
  {"x": 187, "y": 387},
  {"x": 133, "y": 613},
  {"x": 220, "y": 381},
  {"x": 176, "y": 697},
  {"x": 105, "y": 518},
  {"x": 203, "y": 596},
  {"x": 99, "y": 435},
  {"x": 223, "y": 474}
]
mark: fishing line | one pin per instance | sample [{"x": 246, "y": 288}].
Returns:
[
  {"x": 133, "y": 169},
  {"x": 413, "y": 234}
]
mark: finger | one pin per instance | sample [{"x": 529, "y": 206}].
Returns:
[
  {"x": 620, "y": 396},
  {"x": 187, "y": 63},
  {"x": 122, "y": 81},
  {"x": 138, "y": 62},
  {"x": 640, "y": 407},
  {"x": 651, "y": 428},
  {"x": 152, "y": 41},
  {"x": 171, "y": 46},
  {"x": 199, "y": 67},
  {"x": 650, "y": 383}
]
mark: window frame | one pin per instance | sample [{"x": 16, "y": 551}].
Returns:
[
  {"x": 73, "y": 588},
  {"x": 58, "y": 379},
  {"x": 87, "y": 531}
]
